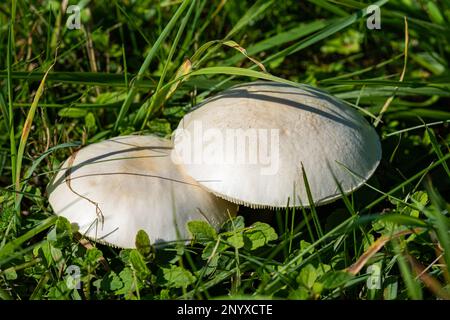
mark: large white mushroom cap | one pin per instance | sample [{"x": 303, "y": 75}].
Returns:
[
  {"x": 114, "y": 188},
  {"x": 276, "y": 128}
]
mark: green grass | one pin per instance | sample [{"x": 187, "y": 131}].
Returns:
[{"x": 148, "y": 65}]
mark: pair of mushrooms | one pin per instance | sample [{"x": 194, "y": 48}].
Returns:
[{"x": 114, "y": 188}]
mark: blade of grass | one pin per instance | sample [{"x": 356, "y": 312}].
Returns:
[
  {"x": 374, "y": 248},
  {"x": 405, "y": 61},
  {"x": 417, "y": 127},
  {"x": 180, "y": 31},
  {"x": 4, "y": 295},
  {"x": 210, "y": 17},
  {"x": 36, "y": 163},
  {"x": 12, "y": 139},
  {"x": 314, "y": 38},
  {"x": 293, "y": 265},
  {"x": 131, "y": 22},
  {"x": 349, "y": 207},
  {"x": 330, "y": 7},
  {"x": 406, "y": 182},
  {"x": 9, "y": 247},
  {"x": 291, "y": 229},
  {"x": 312, "y": 207},
  {"x": 189, "y": 38},
  {"x": 164, "y": 93},
  {"x": 87, "y": 78},
  {"x": 241, "y": 72},
  {"x": 323, "y": 34},
  {"x": 412, "y": 286},
  {"x": 427, "y": 279},
  {"x": 255, "y": 10},
  {"x": 148, "y": 59},
  {"x": 359, "y": 72},
  {"x": 37, "y": 292},
  {"x": 122, "y": 39},
  {"x": 437, "y": 149},
  {"x": 439, "y": 220},
  {"x": 4, "y": 111},
  {"x": 26, "y": 131}
]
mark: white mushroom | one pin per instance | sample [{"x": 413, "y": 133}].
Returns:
[
  {"x": 114, "y": 188},
  {"x": 248, "y": 145}
]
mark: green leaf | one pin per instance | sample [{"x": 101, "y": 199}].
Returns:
[
  {"x": 234, "y": 224},
  {"x": 72, "y": 113},
  {"x": 9, "y": 247},
  {"x": 306, "y": 246},
  {"x": 63, "y": 230},
  {"x": 212, "y": 265},
  {"x": 57, "y": 256},
  {"x": 89, "y": 121},
  {"x": 236, "y": 240},
  {"x": 212, "y": 253},
  {"x": 387, "y": 220},
  {"x": 421, "y": 199},
  {"x": 127, "y": 278},
  {"x": 335, "y": 279},
  {"x": 125, "y": 255},
  {"x": 143, "y": 243},
  {"x": 178, "y": 277},
  {"x": 300, "y": 293},
  {"x": 10, "y": 274},
  {"x": 258, "y": 235},
  {"x": 60, "y": 291},
  {"x": 345, "y": 44},
  {"x": 45, "y": 249},
  {"x": 138, "y": 263},
  {"x": 317, "y": 288},
  {"x": 160, "y": 126},
  {"x": 308, "y": 276},
  {"x": 211, "y": 246},
  {"x": 202, "y": 231},
  {"x": 92, "y": 256},
  {"x": 111, "y": 282},
  {"x": 165, "y": 294}
]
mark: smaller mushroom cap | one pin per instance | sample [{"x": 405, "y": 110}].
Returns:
[
  {"x": 117, "y": 187},
  {"x": 249, "y": 143}
]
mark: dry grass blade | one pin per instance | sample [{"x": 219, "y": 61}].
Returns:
[
  {"x": 375, "y": 247},
  {"x": 428, "y": 280},
  {"x": 183, "y": 70},
  {"x": 242, "y": 50}
]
